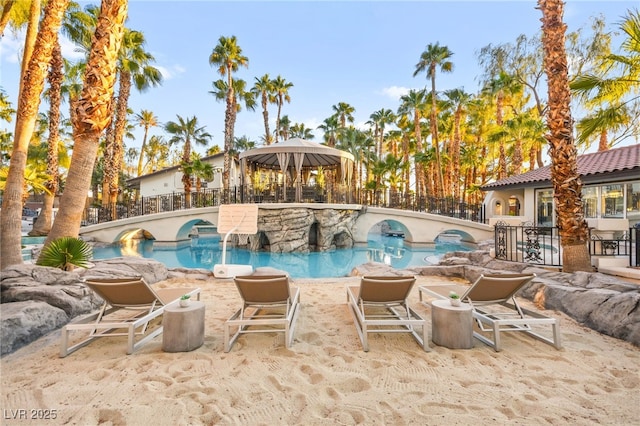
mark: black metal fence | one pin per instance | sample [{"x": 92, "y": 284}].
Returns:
[
  {"x": 278, "y": 194},
  {"x": 542, "y": 244}
]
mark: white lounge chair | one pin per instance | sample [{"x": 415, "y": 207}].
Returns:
[
  {"x": 129, "y": 305},
  {"x": 269, "y": 304},
  {"x": 496, "y": 310},
  {"x": 379, "y": 305}
]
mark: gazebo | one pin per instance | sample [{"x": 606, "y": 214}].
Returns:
[{"x": 298, "y": 157}]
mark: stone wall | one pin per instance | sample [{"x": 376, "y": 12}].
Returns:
[{"x": 301, "y": 230}]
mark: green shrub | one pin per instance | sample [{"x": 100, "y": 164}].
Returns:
[{"x": 66, "y": 253}]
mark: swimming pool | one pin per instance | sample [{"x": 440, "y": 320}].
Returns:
[{"x": 205, "y": 252}]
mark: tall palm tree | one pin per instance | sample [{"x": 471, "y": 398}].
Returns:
[
  {"x": 281, "y": 88},
  {"x": 413, "y": 104},
  {"x": 265, "y": 89},
  {"x": 93, "y": 113},
  {"x": 355, "y": 142},
  {"x": 330, "y": 127},
  {"x": 503, "y": 87},
  {"x": 135, "y": 69},
  {"x": 379, "y": 119},
  {"x": 567, "y": 186},
  {"x": 227, "y": 57},
  {"x": 344, "y": 112},
  {"x": 187, "y": 132},
  {"x": 28, "y": 103},
  {"x": 284, "y": 127},
  {"x": 457, "y": 100},
  {"x": 434, "y": 57},
  {"x": 43, "y": 225},
  {"x": 145, "y": 119}
]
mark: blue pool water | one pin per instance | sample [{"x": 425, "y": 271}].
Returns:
[{"x": 205, "y": 252}]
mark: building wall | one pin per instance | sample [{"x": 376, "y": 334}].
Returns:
[{"x": 170, "y": 180}]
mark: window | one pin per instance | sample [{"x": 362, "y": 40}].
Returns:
[
  {"x": 612, "y": 201},
  {"x": 544, "y": 207},
  {"x": 514, "y": 206},
  {"x": 590, "y": 202},
  {"x": 633, "y": 202}
]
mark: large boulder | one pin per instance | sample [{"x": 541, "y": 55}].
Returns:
[
  {"x": 38, "y": 299},
  {"x": 25, "y": 322}
]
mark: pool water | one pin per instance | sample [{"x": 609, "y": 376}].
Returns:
[{"x": 205, "y": 252}]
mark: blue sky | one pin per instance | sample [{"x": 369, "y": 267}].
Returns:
[{"x": 358, "y": 52}]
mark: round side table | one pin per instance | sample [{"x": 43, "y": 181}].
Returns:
[
  {"x": 452, "y": 326},
  {"x": 183, "y": 328}
]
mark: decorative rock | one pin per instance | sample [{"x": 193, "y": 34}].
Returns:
[
  {"x": 151, "y": 270},
  {"x": 284, "y": 231},
  {"x": 24, "y": 322}
]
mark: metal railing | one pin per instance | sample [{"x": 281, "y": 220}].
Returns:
[
  {"x": 278, "y": 194},
  {"x": 542, "y": 245}
]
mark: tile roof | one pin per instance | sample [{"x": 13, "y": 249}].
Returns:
[{"x": 626, "y": 158}]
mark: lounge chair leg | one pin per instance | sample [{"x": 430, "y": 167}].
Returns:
[{"x": 496, "y": 336}]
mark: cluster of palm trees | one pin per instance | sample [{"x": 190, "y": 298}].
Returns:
[{"x": 453, "y": 141}]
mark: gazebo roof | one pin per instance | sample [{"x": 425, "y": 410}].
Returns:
[{"x": 315, "y": 155}]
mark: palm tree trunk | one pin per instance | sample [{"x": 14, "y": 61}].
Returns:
[
  {"x": 564, "y": 170},
  {"x": 93, "y": 114},
  {"x": 43, "y": 225},
  {"x": 28, "y": 104},
  {"x": 4, "y": 18},
  {"x": 265, "y": 117},
  {"x": 118, "y": 148},
  {"x": 142, "y": 149},
  {"x": 30, "y": 40}
]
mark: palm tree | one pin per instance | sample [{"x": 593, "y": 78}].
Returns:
[
  {"x": 6, "y": 14},
  {"x": 6, "y": 113},
  {"x": 567, "y": 186},
  {"x": 157, "y": 153},
  {"x": 35, "y": 181},
  {"x": 503, "y": 88},
  {"x": 413, "y": 104},
  {"x": 330, "y": 127},
  {"x": 43, "y": 225},
  {"x": 187, "y": 132},
  {"x": 457, "y": 100},
  {"x": 145, "y": 119},
  {"x": 201, "y": 170},
  {"x": 603, "y": 121},
  {"x": 615, "y": 93},
  {"x": 298, "y": 130},
  {"x": 434, "y": 57},
  {"x": 264, "y": 88},
  {"x": 93, "y": 113},
  {"x": 228, "y": 57},
  {"x": 281, "y": 88},
  {"x": 28, "y": 102},
  {"x": 134, "y": 69},
  {"x": 344, "y": 112},
  {"x": 284, "y": 127},
  {"x": 379, "y": 119},
  {"x": 243, "y": 143}
]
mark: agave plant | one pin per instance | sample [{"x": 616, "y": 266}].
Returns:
[{"x": 66, "y": 253}]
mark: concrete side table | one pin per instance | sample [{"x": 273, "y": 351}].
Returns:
[
  {"x": 452, "y": 326},
  {"x": 183, "y": 328}
]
